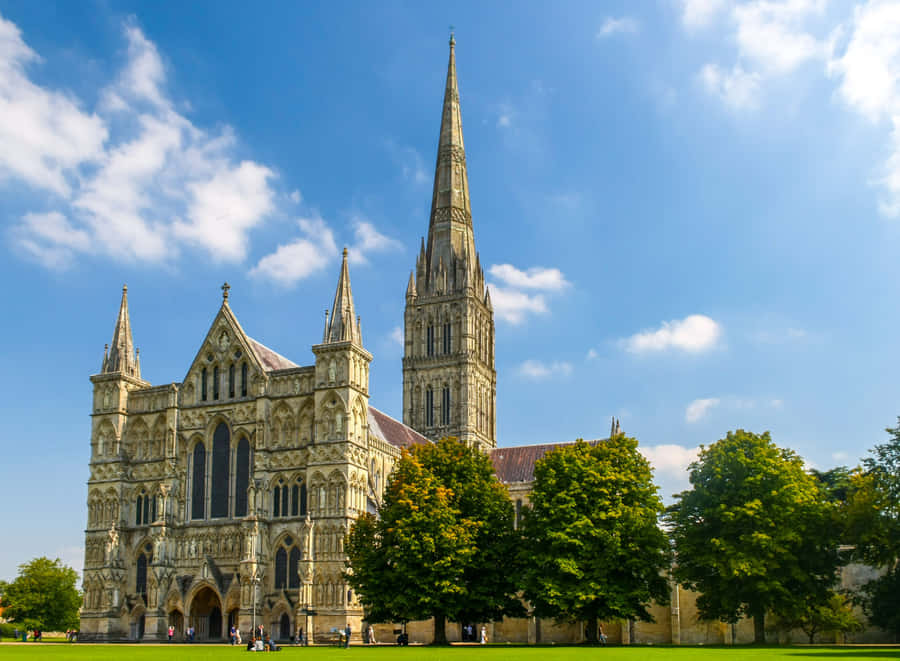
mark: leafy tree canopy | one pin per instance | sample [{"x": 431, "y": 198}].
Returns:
[
  {"x": 593, "y": 549},
  {"x": 755, "y": 532},
  {"x": 443, "y": 543},
  {"x": 43, "y": 595}
]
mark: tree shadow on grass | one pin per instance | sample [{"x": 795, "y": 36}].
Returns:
[{"x": 880, "y": 653}]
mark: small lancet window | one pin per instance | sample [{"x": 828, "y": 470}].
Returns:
[
  {"x": 231, "y": 381},
  {"x": 243, "y": 379},
  {"x": 216, "y": 382},
  {"x": 447, "y": 338},
  {"x": 429, "y": 407},
  {"x": 203, "y": 386},
  {"x": 445, "y": 406},
  {"x": 429, "y": 340}
]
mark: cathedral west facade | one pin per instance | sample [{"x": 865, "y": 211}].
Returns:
[{"x": 224, "y": 499}]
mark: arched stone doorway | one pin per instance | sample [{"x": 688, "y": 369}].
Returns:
[
  {"x": 206, "y": 615},
  {"x": 176, "y": 619},
  {"x": 284, "y": 627}
]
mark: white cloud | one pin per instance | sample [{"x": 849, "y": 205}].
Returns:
[
  {"x": 291, "y": 262},
  {"x": 611, "y": 26},
  {"x": 869, "y": 72},
  {"x": 771, "y": 33},
  {"x": 670, "y": 464},
  {"x": 669, "y": 458},
  {"x": 504, "y": 120},
  {"x": 45, "y": 135},
  {"x": 136, "y": 178},
  {"x": 369, "y": 240},
  {"x": 537, "y": 277},
  {"x": 538, "y": 371},
  {"x": 700, "y": 13},
  {"x": 397, "y": 335},
  {"x": 699, "y": 408},
  {"x": 296, "y": 198},
  {"x": 513, "y": 306},
  {"x": 592, "y": 354},
  {"x": 737, "y": 89},
  {"x": 693, "y": 334}
]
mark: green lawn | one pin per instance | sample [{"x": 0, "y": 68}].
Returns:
[{"x": 65, "y": 652}]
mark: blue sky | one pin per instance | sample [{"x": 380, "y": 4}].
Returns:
[{"x": 688, "y": 211}]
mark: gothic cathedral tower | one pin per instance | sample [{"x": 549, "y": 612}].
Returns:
[{"x": 449, "y": 380}]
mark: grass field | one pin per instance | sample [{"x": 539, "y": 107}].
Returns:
[{"x": 80, "y": 652}]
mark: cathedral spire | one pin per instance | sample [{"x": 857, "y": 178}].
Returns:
[
  {"x": 121, "y": 357},
  {"x": 344, "y": 325},
  {"x": 450, "y": 238}
]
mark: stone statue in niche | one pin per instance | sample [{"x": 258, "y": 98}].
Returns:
[
  {"x": 112, "y": 544},
  {"x": 332, "y": 371}
]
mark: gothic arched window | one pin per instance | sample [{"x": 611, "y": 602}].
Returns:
[
  {"x": 429, "y": 407},
  {"x": 198, "y": 482},
  {"x": 429, "y": 340},
  {"x": 147, "y": 518},
  {"x": 281, "y": 569},
  {"x": 140, "y": 583},
  {"x": 203, "y": 379},
  {"x": 446, "y": 338},
  {"x": 302, "y": 499},
  {"x": 295, "y": 500},
  {"x": 231, "y": 381},
  {"x": 243, "y": 379},
  {"x": 216, "y": 382},
  {"x": 219, "y": 478},
  {"x": 139, "y": 510},
  {"x": 294, "y": 568},
  {"x": 242, "y": 477},
  {"x": 445, "y": 406},
  {"x": 276, "y": 501}
]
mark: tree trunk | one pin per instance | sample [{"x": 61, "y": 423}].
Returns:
[
  {"x": 440, "y": 629},
  {"x": 759, "y": 627},
  {"x": 591, "y": 630}
]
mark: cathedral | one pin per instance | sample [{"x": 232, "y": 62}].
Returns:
[{"x": 223, "y": 500}]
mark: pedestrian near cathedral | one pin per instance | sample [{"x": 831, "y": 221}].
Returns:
[
  {"x": 371, "y": 634},
  {"x": 483, "y": 635},
  {"x": 347, "y": 636}
]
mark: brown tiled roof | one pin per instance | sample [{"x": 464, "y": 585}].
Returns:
[
  {"x": 270, "y": 360},
  {"x": 393, "y": 431},
  {"x": 516, "y": 464}
]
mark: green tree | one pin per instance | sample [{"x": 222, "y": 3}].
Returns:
[
  {"x": 443, "y": 544},
  {"x": 43, "y": 595},
  {"x": 833, "y": 614},
  {"x": 592, "y": 546},
  {"x": 873, "y": 527},
  {"x": 755, "y": 533}
]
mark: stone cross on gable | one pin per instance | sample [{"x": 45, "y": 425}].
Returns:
[{"x": 225, "y": 289}]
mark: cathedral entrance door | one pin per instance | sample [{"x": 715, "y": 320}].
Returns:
[
  {"x": 215, "y": 624},
  {"x": 206, "y": 615},
  {"x": 284, "y": 629}
]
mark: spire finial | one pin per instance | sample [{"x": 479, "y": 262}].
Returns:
[
  {"x": 124, "y": 289},
  {"x": 452, "y": 38},
  {"x": 345, "y": 252},
  {"x": 225, "y": 288}
]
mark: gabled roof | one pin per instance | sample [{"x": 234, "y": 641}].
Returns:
[
  {"x": 393, "y": 431},
  {"x": 270, "y": 360},
  {"x": 516, "y": 464}
]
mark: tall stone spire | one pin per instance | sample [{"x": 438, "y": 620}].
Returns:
[
  {"x": 121, "y": 356},
  {"x": 450, "y": 249},
  {"x": 343, "y": 325},
  {"x": 449, "y": 375}
]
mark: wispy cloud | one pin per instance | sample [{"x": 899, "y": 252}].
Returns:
[
  {"x": 698, "y": 409},
  {"x": 135, "y": 176},
  {"x": 622, "y": 25},
  {"x": 737, "y": 88},
  {"x": 369, "y": 240},
  {"x": 397, "y": 335},
  {"x": 300, "y": 258},
  {"x": 697, "y": 14},
  {"x": 536, "y": 277},
  {"x": 694, "y": 334},
  {"x": 536, "y": 370}
]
